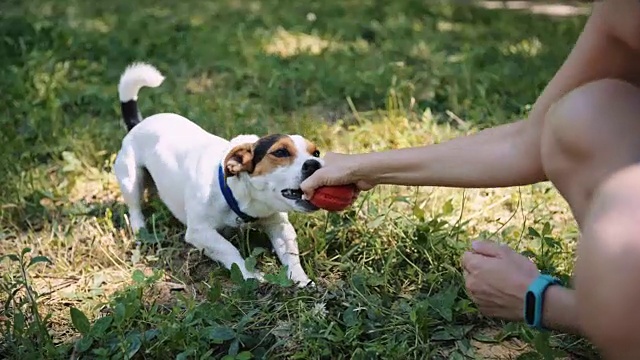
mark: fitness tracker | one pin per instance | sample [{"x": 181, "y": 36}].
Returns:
[{"x": 534, "y": 299}]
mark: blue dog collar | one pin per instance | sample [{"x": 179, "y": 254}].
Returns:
[
  {"x": 534, "y": 300},
  {"x": 231, "y": 200}
]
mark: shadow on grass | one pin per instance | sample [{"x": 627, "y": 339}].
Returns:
[{"x": 163, "y": 241}]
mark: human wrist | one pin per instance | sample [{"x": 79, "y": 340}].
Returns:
[
  {"x": 363, "y": 167},
  {"x": 558, "y": 307},
  {"x": 534, "y": 302},
  {"x": 560, "y": 313},
  {"x": 386, "y": 167}
]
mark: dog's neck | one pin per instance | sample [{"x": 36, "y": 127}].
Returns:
[{"x": 243, "y": 190}]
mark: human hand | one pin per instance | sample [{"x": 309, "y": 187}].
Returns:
[
  {"x": 497, "y": 278},
  {"x": 338, "y": 169}
]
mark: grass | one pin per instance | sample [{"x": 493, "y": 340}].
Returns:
[{"x": 353, "y": 76}]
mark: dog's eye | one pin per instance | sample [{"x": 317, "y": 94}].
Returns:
[
  {"x": 316, "y": 153},
  {"x": 281, "y": 153}
]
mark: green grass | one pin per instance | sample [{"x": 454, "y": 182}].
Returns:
[{"x": 353, "y": 76}]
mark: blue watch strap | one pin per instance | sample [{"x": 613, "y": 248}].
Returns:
[{"x": 534, "y": 299}]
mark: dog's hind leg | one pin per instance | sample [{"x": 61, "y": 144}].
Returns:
[{"x": 131, "y": 178}]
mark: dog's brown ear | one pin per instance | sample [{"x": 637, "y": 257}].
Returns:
[{"x": 238, "y": 160}]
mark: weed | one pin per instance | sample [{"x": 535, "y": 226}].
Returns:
[{"x": 26, "y": 332}]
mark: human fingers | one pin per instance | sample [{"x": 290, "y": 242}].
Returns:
[
  {"x": 468, "y": 261},
  {"x": 489, "y": 248},
  {"x": 469, "y": 280},
  {"x": 363, "y": 185},
  {"x": 336, "y": 170},
  {"x": 316, "y": 180},
  {"x": 473, "y": 262}
]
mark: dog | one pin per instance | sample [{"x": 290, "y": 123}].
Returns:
[{"x": 210, "y": 183}]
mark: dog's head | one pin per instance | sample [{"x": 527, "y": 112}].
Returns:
[{"x": 273, "y": 167}]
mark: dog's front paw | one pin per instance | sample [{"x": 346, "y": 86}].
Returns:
[
  {"x": 256, "y": 275},
  {"x": 137, "y": 224}
]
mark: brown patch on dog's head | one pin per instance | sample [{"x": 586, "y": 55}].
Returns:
[
  {"x": 312, "y": 149},
  {"x": 271, "y": 152},
  {"x": 238, "y": 160}
]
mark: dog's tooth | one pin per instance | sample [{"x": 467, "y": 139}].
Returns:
[{"x": 304, "y": 196}]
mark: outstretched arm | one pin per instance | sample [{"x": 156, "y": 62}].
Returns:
[{"x": 506, "y": 155}]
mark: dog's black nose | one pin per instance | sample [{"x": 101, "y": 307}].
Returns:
[{"x": 309, "y": 167}]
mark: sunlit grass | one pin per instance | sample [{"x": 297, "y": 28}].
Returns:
[{"x": 354, "y": 76}]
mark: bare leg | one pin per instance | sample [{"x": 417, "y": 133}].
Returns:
[
  {"x": 608, "y": 267},
  {"x": 591, "y": 153}
]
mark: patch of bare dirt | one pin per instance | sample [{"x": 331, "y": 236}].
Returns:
[{"x": 507, "y": 349}]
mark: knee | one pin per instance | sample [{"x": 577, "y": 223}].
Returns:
[
  {"x": 589, "y": 133},
  {"x": 581, "y": 122}
]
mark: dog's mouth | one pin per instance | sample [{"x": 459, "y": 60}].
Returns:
[
  {"x": 302, "y": 204},
  {"x": 292, "y": 194}
]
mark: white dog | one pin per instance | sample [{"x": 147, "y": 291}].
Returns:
[{"x": 210, "y": 183}]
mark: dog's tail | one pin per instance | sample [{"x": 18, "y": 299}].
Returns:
[{"x": 134, "y": 77}]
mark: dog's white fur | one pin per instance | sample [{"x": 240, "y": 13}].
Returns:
[{"x": 183, "y": 159}]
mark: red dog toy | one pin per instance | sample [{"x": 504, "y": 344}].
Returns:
[{"x": 334, "y": 198}]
